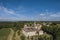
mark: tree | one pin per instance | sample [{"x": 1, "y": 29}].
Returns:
[
  {"x": 45, "y": 37},
  {"x": 53, "y": 30},
  {"x": 22, "y": 37}
]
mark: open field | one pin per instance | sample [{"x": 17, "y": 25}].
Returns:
[{"x": 4, "y": 33}]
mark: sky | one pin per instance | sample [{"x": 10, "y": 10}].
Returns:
[{"x": 29, "y": 10}]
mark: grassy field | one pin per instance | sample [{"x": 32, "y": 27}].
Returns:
[{"x": 4, "y": 33}]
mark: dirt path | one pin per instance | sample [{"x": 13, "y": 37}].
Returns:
[
  {"x": 10, "y": 36},
  {"x": 17, "y": 37}
]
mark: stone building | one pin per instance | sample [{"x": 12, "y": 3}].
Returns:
[{"x": 29, "y": 31}]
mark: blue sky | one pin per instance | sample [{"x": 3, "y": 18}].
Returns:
[{"x": 29, "y": 10}]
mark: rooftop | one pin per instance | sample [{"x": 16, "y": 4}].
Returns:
[{"x": 29, "y": 29}]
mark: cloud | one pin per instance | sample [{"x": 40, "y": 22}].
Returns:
[
  {"x": 18, "y": 14},
  {"x": 8, "y": 11},
  {"x": 11, "y": 14},
  {"x": 55, "y": 15},
  {"x": 48, "y": 16},
  {"x": 42, "y": 14}
]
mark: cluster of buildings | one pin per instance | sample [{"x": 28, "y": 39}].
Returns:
[{"x": 34, "y": 29}]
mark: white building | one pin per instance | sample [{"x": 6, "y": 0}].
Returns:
[{"x": 31, "y": 31}]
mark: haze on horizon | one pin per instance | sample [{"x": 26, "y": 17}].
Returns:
[{"x": 29, "y": 10}]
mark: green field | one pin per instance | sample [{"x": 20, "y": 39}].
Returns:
[{"x": 4, "y": 33}]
